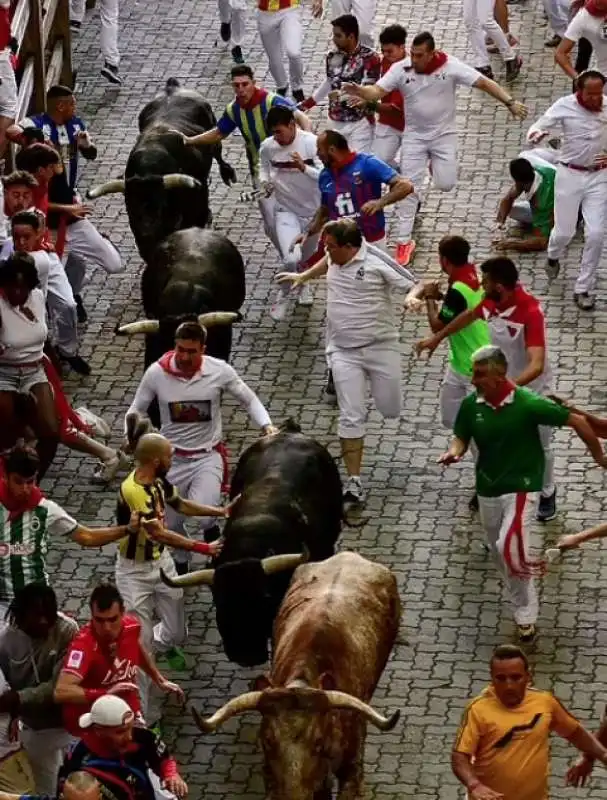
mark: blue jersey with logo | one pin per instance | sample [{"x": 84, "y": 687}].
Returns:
[
  {"x": 345, "y": 191},
  {"x": 64, "y": 139}
]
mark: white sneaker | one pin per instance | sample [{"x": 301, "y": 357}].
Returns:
[
  {"x": 101, "y": 430},
  {"x": 305, "y": 297},
  {"x": 106, "y": 471},
  {"x": 280, "y": 306},
  {"x": 353, "y": 491}
]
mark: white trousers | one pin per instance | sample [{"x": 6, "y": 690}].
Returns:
[
  {"x": 232, "y": 12},
  {"x": 503, "y": 520},
  {"x": 45, "y": 750},
  {"x": 588, "y": 190},
  {"x": 288, "y": 226},
  {"x": 379, "y": 365},
  {"x": 480, "y": 22},
  {"x": 415, "y": 153},
  {"x": 359, "y": 134},
  {"x": 62, "y": 306},
  {"x": 145, "y": 595},
  {"x": 108, "y": 14},
  {"x": 8, "y": 87},
  {"x": 557, "y": 12},
  {"x": 88, "y": 247},
  {"x": 281, "y": 35},
  {"x": 386, "y": 143},
  {"x": 198, "y": 479},
  {"x": 454, "y": 389},
  {"x": 363, "y": 10}
]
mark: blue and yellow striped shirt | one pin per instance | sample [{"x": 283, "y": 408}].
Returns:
[{"x": 251, "y": 121}]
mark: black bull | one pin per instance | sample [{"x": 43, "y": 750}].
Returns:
[
  {"x": 165, "y": 181},
  {"x": 290, "y": 509}
]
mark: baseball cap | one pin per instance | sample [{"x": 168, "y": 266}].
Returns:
[{"x": 108, "y": 711}]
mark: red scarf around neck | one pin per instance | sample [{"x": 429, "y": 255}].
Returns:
[
  {"x": 591, "y": 8},
  {"x": 580, "y": 99},
  {"x": 18, "y": 507},
  {"x": 168, "y": 365},
  {"x": 439, "y": 59}
]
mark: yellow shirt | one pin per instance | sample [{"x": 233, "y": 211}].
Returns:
[
  {"x": 510, "y": 746},
  {"x": 150, "y": 500}
]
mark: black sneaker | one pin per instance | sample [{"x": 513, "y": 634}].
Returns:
[
  {"x": 546, "y": 509},
  {"x": 81, "y": 314},
  {"x": 527, "y": 634},
  {"x": 584, "y": 301},
  {"x": 554, "y": 41},
  {"x": 513, "y": 68},
  {"x": 298, "y": 95},
  {"x": 329, "y": 391},
  {"x": 77, "y": 363},
  {"x": 553, "y": 267},
  {"x": 237, "y": 55},
  {"x": 225, "y": 31},
  {"x": 110, "y": 73},
  {"x": 473, "y": 503},
  {"x": 487, "y": 72},
  {"x": 75, "y": 25},
  {"x": 211, "y": 534},
  {"x": 282, "y": 92}
]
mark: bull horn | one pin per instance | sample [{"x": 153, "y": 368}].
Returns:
[
  {"x": 198, "y": 578},
  {"x": 218, "y": 318},
  {"x": 141, "y": 326},
  {"x": 343, "y": 700},
  {"x": 111, "y": 187},
  {"x": 237, "y": 705},
  {"x": 179, "y": 181},
  {"x": 280, "y": 563}
]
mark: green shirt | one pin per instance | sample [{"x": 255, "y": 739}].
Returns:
[
  {"x": 510, "y": 453},
  {"x": 542, "y": 202},
  {"x": 459, "y": 298}
]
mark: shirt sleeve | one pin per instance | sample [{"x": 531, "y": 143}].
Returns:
[
  {"x": 562, "y": 723},
  {"x": 264, "y": 162},
  {"x": 171, "y": 494},
  {"x": 372, "y": 70},
  {"x": 377, "y": 170},
  {"x": 234, "y": 384},
  {"x": 453, "y": 305},
  {"x": 469, "y": 732},
  {"x": 535, "y": 328},
  {"x": 463, "y": 74},
  {"x": 575, "y": 30},
  {"x": 392, "y": 79},
  {"x": 77, "y": 659},
  {"x": 394, "y": 276},
  {"x": 551, "y": 120},
  {"x": 463, "y": 428},
  {"x": 59, "y": 523},
  {"x": 546, "y": 412},
  {"x": 225, "y": 124},
  {"x": 145, "y": 394}
]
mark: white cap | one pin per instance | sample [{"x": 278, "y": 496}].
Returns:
[{"x": 108, "y": 711}]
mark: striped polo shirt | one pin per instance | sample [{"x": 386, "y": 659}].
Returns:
[
  {"x": 276, "y": 5},
  {"x": 150, "y": 500}
]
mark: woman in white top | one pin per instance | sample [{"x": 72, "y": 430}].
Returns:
[{"x": 23, "y": 332}]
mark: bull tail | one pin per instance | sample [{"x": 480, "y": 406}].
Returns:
[{"x": 171, "y": 85}]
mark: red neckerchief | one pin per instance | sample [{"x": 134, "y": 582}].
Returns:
[
  {"x": 15, "y": 507},
  {"x": 346, "y": 161},
  {"x": 385, "y": 64},
  {"x": 168, "y": 365},
  {"x": 591, "y": 8},
  {"x": 498, "y": 398},
  {"x": 439, "y": 59},
  {"x": 466, "y": 273},
  {"x": 258, "y": 96},
  {"x": 581, "y": 101}
]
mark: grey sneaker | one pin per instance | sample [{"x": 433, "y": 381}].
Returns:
[
  {"x": 546, "y": 509},
  {"x": 513, "y": 68},
  {"x": 553, "y": 267},
  {"x": 584, "y": 301},
  {"x": 110, "y": 73},
  {"x": 354, "y": 494}
]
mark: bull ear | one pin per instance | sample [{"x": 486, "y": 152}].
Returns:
[
  {"x": 261, "y": 683},
  {"x": 327, "y": 682}
]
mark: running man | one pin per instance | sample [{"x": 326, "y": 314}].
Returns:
[{"x": 390, "y": 122}]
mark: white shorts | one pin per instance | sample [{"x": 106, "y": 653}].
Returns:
[{"x": 8, "y": 87}]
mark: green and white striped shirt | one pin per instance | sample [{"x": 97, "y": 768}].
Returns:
[{"x": 24, "y": 544}]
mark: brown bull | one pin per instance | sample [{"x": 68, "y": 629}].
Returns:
[{"x": 332, "y": 638}]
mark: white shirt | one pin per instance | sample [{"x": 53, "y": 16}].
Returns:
[
  {"x": 41, "y": 260},
  {"x": 190, "y": 409},
  {"x": 21, "y": 339},
  {"x": 595, "y": 30},
  {"x": 359, "y": 301},
  {"x": 6, "y": 746},
  {"x": 429, "y": 99},
  {"x": 584, "y": 132},
  {"x": 294, "y": 191}
]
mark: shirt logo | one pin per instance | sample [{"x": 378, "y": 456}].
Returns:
[
  {"x": 344, "y": 204},
  {"x": 75, "y": 659},
  {"x": 360, "y": 274},
  {"x": 16, "y": 550}
]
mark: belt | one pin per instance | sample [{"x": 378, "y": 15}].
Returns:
[
  {"x": 177, "y": 451},
  {"x": 21, "y": 364},
  {"x": 579, "y": 168}
]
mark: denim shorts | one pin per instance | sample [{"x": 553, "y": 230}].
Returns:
[{"x": 21, "y": 379}]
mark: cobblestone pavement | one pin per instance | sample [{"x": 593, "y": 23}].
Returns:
[{"x": 420, "y": 525}]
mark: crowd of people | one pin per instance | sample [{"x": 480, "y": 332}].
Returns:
[{"x": 79, "y": 706}]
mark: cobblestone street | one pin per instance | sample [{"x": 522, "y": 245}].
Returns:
[{"x": 419, "y": 524}]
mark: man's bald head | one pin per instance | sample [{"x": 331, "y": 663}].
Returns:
[
  {"x": 81, "y": 786},
  {"x": 152, "y": 447}
]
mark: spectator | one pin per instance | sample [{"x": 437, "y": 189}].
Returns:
[{"x": 32, "y": 648}]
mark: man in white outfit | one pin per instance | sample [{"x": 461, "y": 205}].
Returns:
[
  {"x": 589, "y": 23},
  {"x": 390, "y": 122},
  {"x": 231, "y": 31},
  {"x": 108, "y": 15},
  {"x": 428, "y": 81},
  {"x": 581, "y": 179},
  {"x": 289, "y": 169},
  {"x": 188, "y": 386},
  {"x": 480, "y": 23}
]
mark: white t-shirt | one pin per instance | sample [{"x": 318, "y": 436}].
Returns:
[
  {"x": 6, "y": 746},
  {"x": 359, "y": 301},
  {"x": 294, "y": 191},
  {"x": 22, "y": 339},
  {"x": 584, "y": 132},
  {"x": 429, "y": 99},
  {"x": 190, "y": 409},
  {"x": 584, "y": 25}
]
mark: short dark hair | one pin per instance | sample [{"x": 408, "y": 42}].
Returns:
[
  {"x": 35, "y": 596},
  {"x": 345, "y": 232},
  {"x": 501, "y": 270},
  {"x": 336, "y": 139},
  {"x": 522, "y": 170},
  {"x": 425, "y": 37},
  {"x": 455, "y": 249},
  {"x": 20, "y": 178},
  {"x": 506, "y": 652},
  {"x": 32, "y": 136},
  {"x": 37, "y": 155},
  {"x": 279, "y": 115},
  {"x": 393, "y": 34},
  {"x": 193, "y": 331},
  {"x": 589, "y": 75},
  {"x": 58, "y": 91},
  {"x": 31, "y": 218},
  {"x": 104, "y": 596},
  {"x": 242, "y": 70},
  {"x": 348, "y": 24},
  {"x": 19, "y": 265},
  {"x": 23, "y": 461}
]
